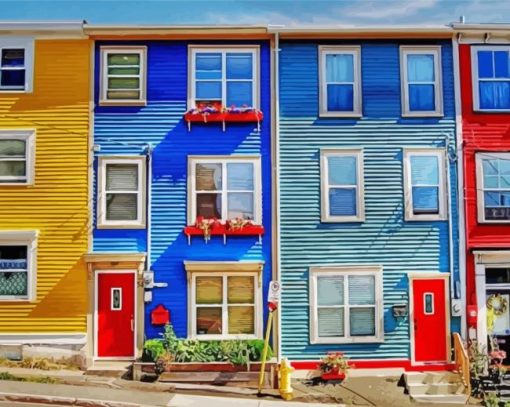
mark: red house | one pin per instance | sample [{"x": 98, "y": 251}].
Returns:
[{"x": 484, "y": 64}]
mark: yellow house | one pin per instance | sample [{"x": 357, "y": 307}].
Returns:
[{"x": 44, "y": 151}]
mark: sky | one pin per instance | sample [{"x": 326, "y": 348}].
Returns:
[{"x": 277, "y": 12}]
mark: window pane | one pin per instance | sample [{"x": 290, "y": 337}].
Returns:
[
  {"x": 504, "y": 166},
  {"x": 342, "y": 170},
  {"x": 342, "y": 202},
  {"x": 362, "y": 321},
  {"x": 209, "y": 320},
  {"x": 339, "y": 68},
  {"x": 501, "y": 64},
  {"x": 13, "y": 78},
  {"x": 497, "y": 275},
  {"x": 240, "y": 205},
  {"x": 208, "y": 290},
  {"x": 123, "y": 94},
  {"x": 208, "y": 66},
  {"x": 124, "y": 71},
  {"x": 121, "y": 177},
  {"x": 424, "y": 170},
  {"x": 123, "y": 83},
  {"x": 490, "y": 166},
  {"x": 241, "y": 290},
  {"x": 361, "y": 290},
  {"x": 13, "y": 57},
  {"x": 241, "y": 320},
  {"x": 421, "y": 98},
  {"x": 13, "y": 283},
  {"x": 209, "y": 205},
  {"x": 239, "y": 66},
  {"x": 123, "y": 59},
  {"x": 485, "y": 64},
  {"x": 494, "y": 95},
  {"x": 492, "y": 199},
  {"x": 12, "y": 168},
  {"x": 13, "y": 257},
  {"x": 340, "y": 98},
  {"x": 121, "y": 206},
  {"x": 239, "y": 93},
  {"x": 208, "y": 90},
  {"x": 491, "y": 181},
  {"x": 240, "y": 176},
  {"x": 208, "y": 177},
  {"x": 13, "y": 148},
  {"x": 420, "y": 68},
  {"x": 425, "y": 200},
  {"x": 331, "y": 322},
  {"x": 330, "y": 290}
]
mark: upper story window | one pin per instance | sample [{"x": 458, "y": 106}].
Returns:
[
  {"x": 342, "y": 185},
  {"x": 493, "y": 187},
  {"x": 491, "y": 78},
  {"x": 16, "y": 64},
  {"x": 121, "y": 192},
  {"x": 225, "y": 188},
  {"x": 224, "y": 77},
  {"x": 17, "y": 157},
  {"x": 123, "y": 75},
  {"x": 421, "y": 80},
  {"x": 340, "y": 81},
  {"x": 424, "y": 184}
]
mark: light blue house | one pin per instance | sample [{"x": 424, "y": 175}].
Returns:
[{"x": 368, "y": 201}]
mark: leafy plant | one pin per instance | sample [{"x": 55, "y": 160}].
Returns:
[
  {"x": 154, "y": 349},
  {"x": 334, "y": 362},
  {"x": 491, "y": 400}
]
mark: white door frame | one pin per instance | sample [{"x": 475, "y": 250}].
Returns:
[
  {"x": 96, "y": 298},
  {"x": 429, "y": 276}
]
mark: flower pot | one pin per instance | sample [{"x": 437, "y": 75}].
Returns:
[{"x": 333, "y": 375}]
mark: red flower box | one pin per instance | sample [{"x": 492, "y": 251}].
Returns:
[
  {"x": 222, "y": 230},
  {"x": 249, "y": 230},
  {"x": 333, "y": 376},
  {"x": 254, "y": 116},
  {"x": 204, "y": 117}
]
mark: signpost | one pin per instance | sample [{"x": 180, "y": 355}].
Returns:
[{"x": 273, "y": 298}]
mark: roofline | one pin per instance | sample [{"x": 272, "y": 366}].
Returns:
[
  {"x": 42, "y": 28},
  {"x": 144, "y": 30},
  {"x": 480, "y": 27}
]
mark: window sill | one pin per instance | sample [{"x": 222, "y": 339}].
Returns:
[
  {"x": 426, "y": 219},
  {"x": 422, "y": 115},
  {"x": 492, "y": 222},
  {"x": 350, "y": 219},
  {"x": 503, "y": 111},
  {"x": 222, "y": 337},
  {"x": 318, "y": 341},
  {"x": 255, "y": 116},
  {"x": 223, "y": 230},
  {"x": 4, "y": 91},
  {"x": 331, "y": 115},
  {"x": 122, "y": 103},
  {"x": 117, "y": 226},
  {"x": 16, "y": 184}
]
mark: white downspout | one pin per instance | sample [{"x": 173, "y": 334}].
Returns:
[
  {"x": 149, "y": 207},
  {"x": 460, "y": 184}
]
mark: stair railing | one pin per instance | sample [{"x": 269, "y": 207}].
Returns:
[{"x": 462, "y": 362}]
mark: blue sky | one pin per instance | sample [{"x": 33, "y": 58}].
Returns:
[{"x": 286, "y": 12}]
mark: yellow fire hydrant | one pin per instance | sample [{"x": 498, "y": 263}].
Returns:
[{"x": 285, "y": 370}]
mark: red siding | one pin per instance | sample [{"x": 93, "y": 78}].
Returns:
[{"x": 481, "y": 132}]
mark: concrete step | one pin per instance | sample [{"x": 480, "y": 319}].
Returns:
[
  {"x": 450, "y": 399},
  {"x": 422, "y": 389},
  {"x": 431, "y": 377},
  {"x": 115, "y": 369}
]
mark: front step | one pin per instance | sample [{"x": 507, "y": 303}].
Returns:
[
  {"x": 435, "y": 387},
  {"x": 454, "y": 399},
  {"x": 114, "y": 369}
]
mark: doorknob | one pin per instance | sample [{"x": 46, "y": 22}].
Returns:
[
  {"x": 132, "y": 325},
  {"x": 415, "y": 324}
]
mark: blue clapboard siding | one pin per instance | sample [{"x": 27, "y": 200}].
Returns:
[
  {"x": 127, "y": 130},
  {"x": 384, "y": 238}
]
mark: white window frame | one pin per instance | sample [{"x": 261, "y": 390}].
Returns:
[
  {"x": 224, "y": 160},
  {"x": 360, "y": 187},
  {"x": 112, "y": 290},
  {"x": 479, "y": 156},
  {"x": 476, "y": 79},
  {"x": 102, "y": 222},
  {"x": 355, "y": 51},
  {"x": 408, "y": 195},
  {"x": 345, "y": 271},
  {"x": 254, "y": 50},
  {"x": 432, "y": 312},
  {"x": 26, "y": 43},
  {"x": 23, "y": 238},
  {"x": 438, "y": 83},
  {"x": 258, "y": 311},
  {"x": 103, "y": 83},
  {"x": 28, "y": 136}
]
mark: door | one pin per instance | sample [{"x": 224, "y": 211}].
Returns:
[
  {"x": 430, "y": 320},
  {"x": 115, "y": 315}
]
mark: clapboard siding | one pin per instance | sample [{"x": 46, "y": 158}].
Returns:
[
  {"x": 384, "y": 238},
  {"x": 128, "y": 130},
  {"x": 57, "y": 203}
]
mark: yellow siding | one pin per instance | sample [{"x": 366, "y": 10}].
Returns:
[{"x": 57, "y": 203}]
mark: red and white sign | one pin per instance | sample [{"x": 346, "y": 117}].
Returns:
[{"x": 273, "y": 295}]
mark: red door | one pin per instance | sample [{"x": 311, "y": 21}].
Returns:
[
  {"x": 429, "y": 304},
  {"x": 115, "y": 314}
]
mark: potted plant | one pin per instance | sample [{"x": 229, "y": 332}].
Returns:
[{"x": 334, "y": 366}]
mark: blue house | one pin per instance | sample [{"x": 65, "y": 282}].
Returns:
[
  {"x": 182, "y": 186},
  {"x": 368, "y": 198}
]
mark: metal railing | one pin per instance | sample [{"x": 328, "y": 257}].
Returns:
[{"x": 462, "y": 362}]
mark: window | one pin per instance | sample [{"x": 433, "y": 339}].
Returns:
[
  {"x": 224, "y": 76},
  {"x": 340, "y": 81},
  {"x": 491, "y": 78},
  {"x": 493, "y": 187},
  {"x": 421, "y": 81},
  {"x": 225, "y": 188},
  {"x": 424, "y": 184},
  {"x": 346, "y": 304},
  {"x": 123, "y": 75},
  {"x": 342, "y": 185},
  {"x": 225, "y": 305},
  {"x": 16, "y": 64},
  {"x": 17, "y": 265},
  {"x": 16, "y": 157},
  {"x": 121, "y": 201}
]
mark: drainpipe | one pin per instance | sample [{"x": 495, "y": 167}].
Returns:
[{"x": 149, "y": 207}]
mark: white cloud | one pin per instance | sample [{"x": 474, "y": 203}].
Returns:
[{"x": 371, "y": 10}]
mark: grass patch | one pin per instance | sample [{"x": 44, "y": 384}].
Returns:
[
  {"x": 32, "y": 379},
  {"x": 37, "y": 363}
]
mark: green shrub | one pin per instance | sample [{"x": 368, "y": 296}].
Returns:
[{"x": 154, "y": 349}]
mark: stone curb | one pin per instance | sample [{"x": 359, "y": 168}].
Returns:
[{"x": 65, "y": 401}]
